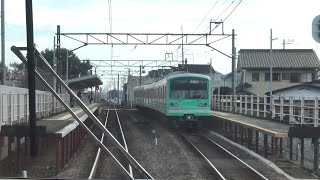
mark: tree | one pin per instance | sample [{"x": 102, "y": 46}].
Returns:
[
  {"x": 1, "y": 72},
  {"x": 17, "y": 71},
  {"x": 76, "y": 67}
]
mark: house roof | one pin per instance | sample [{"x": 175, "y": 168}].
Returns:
[
  {"x": 282, "y": 59},
  {"x": 312, "y": 84},
  {"x": 229, "y": 74}
]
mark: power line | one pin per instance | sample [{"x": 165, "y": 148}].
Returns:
[
  {"x": 224, "y": 10},
  {"x": 224, "y": 19},
  {"x": 206, "y": 16},
  {"x": 218, "y": 15},
  {"x": 215, "y": 18},
  {"x": 232, "y": 11},
  {"x": 228, "y": 15}
]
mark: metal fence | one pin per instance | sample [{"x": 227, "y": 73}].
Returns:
[
  {"x": 293, "y": 110},
  {"x": 14, "y": 107}
]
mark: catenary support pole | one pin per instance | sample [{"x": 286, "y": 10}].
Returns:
[
  {"x": 118, "y": 91},
  {"x": 31, "y": 78},
  {"x": 140, "y": 76},
  {"x": 233, "y": 71},
  {"x": 3, "y": 44},
  {"x": 59, "y": 63}
]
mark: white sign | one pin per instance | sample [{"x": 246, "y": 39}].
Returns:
[{"x": 316, "y": 29}]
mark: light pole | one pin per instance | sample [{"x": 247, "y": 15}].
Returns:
[
  {"x": 270, "y": 63},
  {"x": 67, "y": 68}
]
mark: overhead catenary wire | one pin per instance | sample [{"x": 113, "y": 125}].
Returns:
[
  {"x": 228, "y": 14},
  {"x": 222, "y": 21},
  {"x": 206, "y": 16},
  {"x": 201, "y": 23},
  {"x": 221, "y": 13},
  {"x": 110, "y": 30}
]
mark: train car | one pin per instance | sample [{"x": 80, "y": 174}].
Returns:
[{"x": 181, "y": 96}]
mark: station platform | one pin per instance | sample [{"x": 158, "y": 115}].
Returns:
[
  {"x": 57, "y": 125},
  {"x": 250, "y": 131},
  {"x": 273, "y": 128},
  {"x": 268, "y": 138},
  {"x": 57, "y": 136},
  {"x": 65, "y": 123}
]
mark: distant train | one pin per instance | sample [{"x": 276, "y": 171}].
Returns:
[{"x": 183, "y": 97}]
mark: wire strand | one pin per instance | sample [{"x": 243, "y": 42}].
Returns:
[{"x": 206, "y": 16}]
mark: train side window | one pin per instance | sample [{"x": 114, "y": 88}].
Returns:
[
  {"x": 162, "y": 92},
  {"x": 165, "y": 94}
]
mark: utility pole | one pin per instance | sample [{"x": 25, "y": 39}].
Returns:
[
  {"x": 182, "y": 45},
  {"x": 59, "y": 64},
  {"x": 284, "y": 42},
  {"x": 3, "y": 44},
  {"x": 233, "y": 70},
  {"x": 67, "y": 68},
  {"x": 118, "y": 90},
  {"x": 54, "y": 64},
  {"x": 211, "y": 80},
  {"x": 31, "y": 78},
  {"x": 270, "y": 80},
  {"x": 140, "y": 76}
]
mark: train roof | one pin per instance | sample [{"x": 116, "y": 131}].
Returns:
[{"x": 178, "y": 74}]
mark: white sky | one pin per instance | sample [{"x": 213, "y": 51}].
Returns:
[{"x": 252, "y": 20}]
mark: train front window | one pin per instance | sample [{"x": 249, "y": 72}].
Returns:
[{"x": 182, "y": 88}]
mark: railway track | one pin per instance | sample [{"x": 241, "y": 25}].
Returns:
[
  {"x": 113, "y": 124},
  {"x": 225, "y": 164}
]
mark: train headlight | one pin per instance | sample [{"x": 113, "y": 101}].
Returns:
[
  {"x": 203, "y": 104},
  {"x": 174, "y": 104}
]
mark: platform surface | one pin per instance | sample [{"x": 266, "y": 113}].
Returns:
[
  {"x": 77, "y": 110},
  {"x": 270, "y": 127},
  {"x": 54, "y": 124}
]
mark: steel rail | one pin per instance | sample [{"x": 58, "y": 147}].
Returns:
[
  {"x": 56, "y": 95},
  {"x": 195, "y": 147},
  {"x": 234, "y": 156},
  {"x": 123, "y": 138},
  {"x": 141, "y": 170},
  {"x": 96, "y": 161}
]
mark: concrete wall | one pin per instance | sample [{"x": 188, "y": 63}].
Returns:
[{"x": 261, "y": 87}]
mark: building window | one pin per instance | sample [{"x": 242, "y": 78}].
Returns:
[
  {"x": 306, "y": 77},
  {"x": 275, "y": 76},
  {"x": 295, "y": 77},
  {"x": 255, "y": 76},
  {"x": 266, "y": 76},
  {"x": 285, "y": 76}
]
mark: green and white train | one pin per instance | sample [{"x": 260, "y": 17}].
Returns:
[{"x": 181, "y": 96}]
